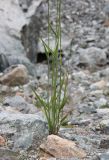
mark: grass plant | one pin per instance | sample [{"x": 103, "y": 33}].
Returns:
[{"x": 57, "y": 97}]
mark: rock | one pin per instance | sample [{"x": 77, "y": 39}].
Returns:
[
  {"x": 3, "y": 62},
  {"x": 4, "y": 89},
  {"x": 41, "y": 72},
  {"x": 18, "y": 103},
  {"x": 31, "y": 31},
  {"x": 45, "y": 158},
  {"x": 103, "y": 111},
  {"x": 85, "y": 108},
  {"x": 21, "y": 59},
  {"x": 92, "y": 57},
  {"x": 2, "y": 141},
  {"x": 15, "y": 75},
  {"x": 104, "y": 73},
  {"x": 22, "y": 130},
  {"x": 16, "y": 43},
  {"x": 96, "y": 93},
  {"x": 61, "y": 148},
  {"x": 6, "y": 158},
  {"x": 106, "y": 9},
  {"x": 80, "y": 76},
  {"x": 100, "y": 103},
  {"x": 104, "y": 156},
  {"x": 104, "y": 143},
  {"x": 11, "y": 26},
  {"x": 27, "y": 88},
  {"x": 6, "y": 154},
  {"x": 98, "y": 85},
  {"x": 80, "y": 122},
  {"x": 9, "y": 60},
  {"x": 104, "y": 126}
]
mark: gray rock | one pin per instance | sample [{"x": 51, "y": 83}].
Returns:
[
  {"x": 4, "y": 89},
  {"x": 13, "y": 59},
  {"x": 3, "y": 62},
  {"x": 28, "y": 87},
  {"x": 97, "y": 93},
  {"x": 18, "y": 103},
  {"x": 41, "y": 71},
  {"x": 84, "y": 108},
  {"x": 104, "y": 73},
  {"x": 11, "y": 26},
  {"x": 100, "y": 103},
  {"x": 104, "y": 125},
  {"x": 8, "y": 158},
  {"x": 92, "y": 56},
  {"x": 64, "y": 159},
  {"x": 80, "y": 76},
  {"x": 22, "y": 129},
  {"x": 6, "y": 154},
  {"x": 103, "y": 111},
  {"x": 104, "y": 143},
  {"x": 106, "y": 9},
  {"x": 30, "y": 32},
  {"x": 12, "y": 50},
  {"x": 104, "y": 156},
  {"x": 21, "y": 59},
  {"x": 80, "y": 122}
]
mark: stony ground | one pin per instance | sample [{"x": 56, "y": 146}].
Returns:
[
  {"x": 85, "y": 28},
  {"x": 88, "y": 123}
]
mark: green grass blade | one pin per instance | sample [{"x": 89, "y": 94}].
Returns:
[
  {"x": 47, "y": 49},
  {"x": 56, "y": 34},
  {"x": 41, "y": 100},
  {"x": 63, "y": 119}
]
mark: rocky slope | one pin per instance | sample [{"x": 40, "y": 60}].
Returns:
[
  {"x": 85, "y": 39},
  {"x": 82, "y": 27}
]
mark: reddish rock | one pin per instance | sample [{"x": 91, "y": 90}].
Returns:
[
  {"x": 106, "y": 23},
  {"x": 100, "y": 84},
  {"x": 20, "y": 94},
  {"x": 2, "y": 141},
  {"x": 43, "y": 158},
  {"x": 61, "y": 148}
]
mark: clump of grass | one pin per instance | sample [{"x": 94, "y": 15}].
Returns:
[{"x": 57, "y": 97}]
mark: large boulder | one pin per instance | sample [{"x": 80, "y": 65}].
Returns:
[
  {"x": 10, "y": 27},
  {"x": 22, "y": 130},
  {"x": 12, "y": 51}
]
